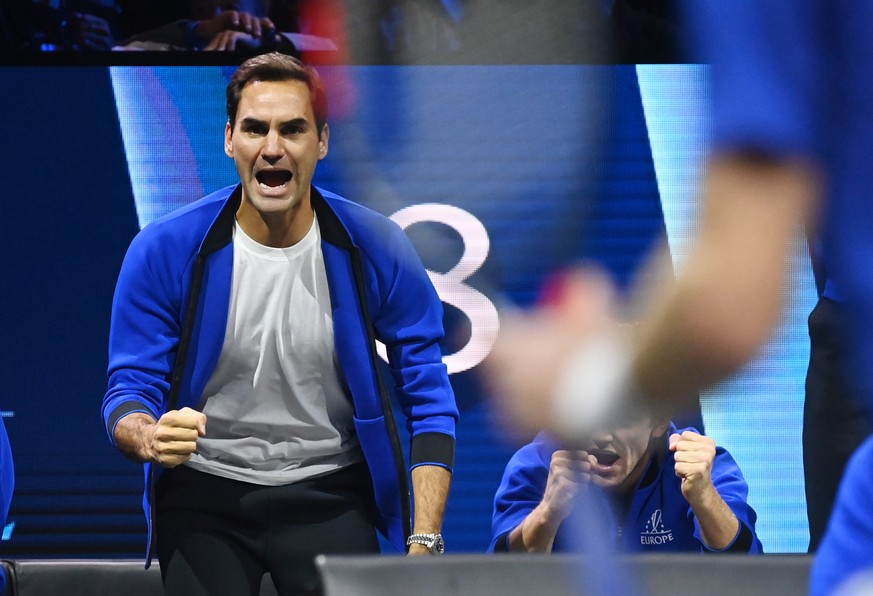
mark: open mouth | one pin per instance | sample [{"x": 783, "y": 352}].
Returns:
[
  {"x": 273, "y": 178},
  {"x": 604, "y": 458}
]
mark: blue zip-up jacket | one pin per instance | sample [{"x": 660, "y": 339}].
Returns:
[
  {"x": 658, "y": 518},
  {"x": 169, "y": 317},
  {"x": 844, "y": 554}
]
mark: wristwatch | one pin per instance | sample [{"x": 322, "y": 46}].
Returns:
[{"x": 433, "y": 542}]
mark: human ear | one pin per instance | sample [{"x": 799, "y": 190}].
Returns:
[
  {"x": 323, "y": 138},
  {"x": 228, "y": 140}
]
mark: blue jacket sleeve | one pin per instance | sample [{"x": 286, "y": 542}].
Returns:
[
  {"x": 409, "y": 321},
  {"x": 520, "y": 491},
  {"x": 845, "y": 550},
  {"x": 731, "y": 485},
  {"x": 144, "y": 330},
  {"x": 765, "y": 57}
]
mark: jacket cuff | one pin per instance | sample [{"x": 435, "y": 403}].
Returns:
[
  {"x": 122, "y": 410},
  {"x": 742, "y": 542},
  {"x": 501, "y": 545},
  {"x": 434, "y": 449}
]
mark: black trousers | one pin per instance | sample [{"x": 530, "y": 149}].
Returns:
[
  {"x": 834, "y": 422},
  {"x": 218, "y": 537}
]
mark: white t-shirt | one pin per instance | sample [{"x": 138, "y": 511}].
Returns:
[{"x": 275, "y": 406}]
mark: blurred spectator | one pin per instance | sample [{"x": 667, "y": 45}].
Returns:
[
  {"x": 95, "y": 25},
  {"x": 380, "y": 31},
  {"x": 211, "y": 25},
  {"x": 48, "y": 26},
  {"x": 232, "y": 25}
]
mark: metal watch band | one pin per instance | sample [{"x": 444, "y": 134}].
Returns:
[{"x": 433, "y": 542}]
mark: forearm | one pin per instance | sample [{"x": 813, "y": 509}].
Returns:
[
  {"x": 131, "y": 436},
  {"x": 430, "y": 486},
  {"x": 536, "y": 534},
  {"x": 718, "y": 524},
  {"x": 728, "y": 296}
]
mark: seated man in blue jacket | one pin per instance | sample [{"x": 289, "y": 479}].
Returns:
[{"x": 681, "y": 493}]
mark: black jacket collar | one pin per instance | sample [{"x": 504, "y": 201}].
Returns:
[{"x": 220, "y": 234}]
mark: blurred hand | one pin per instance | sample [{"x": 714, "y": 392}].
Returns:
[
  {"x": 228, "y": 41},
  {"x": 91, "y": 32},
  {"x": 694, "y": 455},
  {"x": 529, "y": 358},
  {"x": 233, "y": 20}
]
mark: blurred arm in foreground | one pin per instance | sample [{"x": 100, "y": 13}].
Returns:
[
  {"x": 564, "y": 366},
  {"x": 792, "y": 122}
]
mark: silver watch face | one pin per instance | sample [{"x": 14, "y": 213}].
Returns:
[{"x": 439, "y": 546}]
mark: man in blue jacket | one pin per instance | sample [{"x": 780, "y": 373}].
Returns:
[
  {"x": 243, "y": 371},
  {"x": 661, "y": 495}
]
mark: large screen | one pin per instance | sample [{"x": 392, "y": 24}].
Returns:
[{"x": 501, "y": 175}]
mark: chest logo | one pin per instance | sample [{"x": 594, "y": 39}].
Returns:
[{"x": 655, "y": 532}]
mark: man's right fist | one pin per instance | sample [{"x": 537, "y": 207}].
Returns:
[{"x": 174, "y": 436}]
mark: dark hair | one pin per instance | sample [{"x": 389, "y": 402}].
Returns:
[{"x": 277, "y": 67}]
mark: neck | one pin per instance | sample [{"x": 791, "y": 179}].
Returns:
[{"x": 277, "y": 230}]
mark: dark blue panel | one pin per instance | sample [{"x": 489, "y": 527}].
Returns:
[{"x": 68, "y": 216}]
